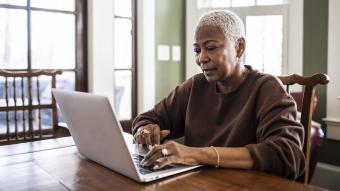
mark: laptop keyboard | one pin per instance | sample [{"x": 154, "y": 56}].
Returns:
[{"x": 146, "y": 169}]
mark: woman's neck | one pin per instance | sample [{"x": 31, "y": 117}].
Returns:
[{"x": 233, "y": 81}]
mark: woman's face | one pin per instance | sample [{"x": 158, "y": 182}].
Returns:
[{"x": 215, "y": 54}]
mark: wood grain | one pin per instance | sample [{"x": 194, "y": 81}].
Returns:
[
  {"x": 308, "y": 84},
  {"x": 57, "y": 165},
  {"x": 27, "y": 176}
]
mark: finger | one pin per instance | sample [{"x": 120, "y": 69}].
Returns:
[
  {"x": 165, "y": 162},
  {"x": 152, "y": 159},
  {"x": 140, "y": 139},
  {"x": 153, "y": 151},
  {"x": 147, "y": 139},
  {"x": 134, "y": 141},
  {"x": 156, "y": 135},
  {"x": 152, "y": 156},
  {"x": 164, "y": 133},
  {"x": 151, "y": 128}
]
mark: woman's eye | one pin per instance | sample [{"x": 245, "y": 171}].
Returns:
[
  {"x": 197, "y": 50},
  {"x": 211, "y": 48}
]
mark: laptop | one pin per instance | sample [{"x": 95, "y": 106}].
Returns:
[{"x": 98, "y": 135}]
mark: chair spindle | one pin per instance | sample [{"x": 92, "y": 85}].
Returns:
[
  {"x": 23, "y": 104},
  {"x": 54, "y": 104},
  {"x": 39, "y": 110},
  {"x": 15, "y": 110},
  {"x": 7, "y": 112},
  {"x": 30, "y": 110}
]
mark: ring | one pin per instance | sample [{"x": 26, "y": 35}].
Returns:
[
  {"x": 165, "y": 152},
  {"x": 144, "y": 131}
]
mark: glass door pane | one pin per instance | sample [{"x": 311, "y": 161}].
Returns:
[
  {"x": 65, "y": 81},
  {"x": 269, "y": 2},
  {"x": 203, "y": 4},
  {"x": 264, "y": 43},
  {"x": 123, "y": 43},
  {"x": 242, "y": 3},
  {"x": 13, "y": 39},
  {"x": 220, "y": 3},
  {"x": 123, "y": 8},
  {"x": 123, "y": 81},
  {"x": 14, "y": 2},
  {"x": 53, "y": 40},
  {"x": 66, "y": 5}
]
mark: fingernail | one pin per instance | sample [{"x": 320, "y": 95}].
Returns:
[
  {"x": 156, "y": 167},
  {"x": 144, "y": 163},
  {"x": 141, "y": 162},
  {"x": 149, "y": 147}
]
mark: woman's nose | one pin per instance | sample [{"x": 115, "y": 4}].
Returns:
[{"x": 203, "y": 57}]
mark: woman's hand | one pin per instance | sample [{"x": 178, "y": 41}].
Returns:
[
  {"x": 169, "y": 153},
  {"x": 149, "y": 134}
]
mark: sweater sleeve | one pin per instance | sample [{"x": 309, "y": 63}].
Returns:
[
  {"x": 169, "y": 113},
  {"x": 279, "y": 135}
]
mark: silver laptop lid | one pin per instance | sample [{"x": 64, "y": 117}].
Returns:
[{"x": 90, "y": 118}]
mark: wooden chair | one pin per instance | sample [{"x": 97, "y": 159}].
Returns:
[
  {"x": 24, "y": 111},
  {"x": 313, "y": 134}
]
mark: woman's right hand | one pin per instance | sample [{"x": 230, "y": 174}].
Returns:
[{"x": 149, "y": 134}]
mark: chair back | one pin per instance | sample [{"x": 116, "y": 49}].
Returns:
[
  {"x": 310, "y": 147},
  {"x": 28, "y": 110}
]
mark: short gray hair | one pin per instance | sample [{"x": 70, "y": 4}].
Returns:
[{"x": 227, "y": 21}]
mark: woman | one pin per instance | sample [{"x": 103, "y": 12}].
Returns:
[{"x": 231, "y": 115}]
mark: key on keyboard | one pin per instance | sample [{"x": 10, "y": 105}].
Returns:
[{"x": 146, "y": 169}]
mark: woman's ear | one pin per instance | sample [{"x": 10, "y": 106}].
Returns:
[{"x": 240, "y": 47}]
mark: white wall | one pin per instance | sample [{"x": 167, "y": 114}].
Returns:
[
  {"x": 146, "y": 54},
  {"x": 333, "y": 90},
  {"x": 295, "y": 37},
  {"x": 100, "y": 48}
]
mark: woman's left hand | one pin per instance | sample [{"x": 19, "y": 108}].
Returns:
[{"x": 169, "y": 153}]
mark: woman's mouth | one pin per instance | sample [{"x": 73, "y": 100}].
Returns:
[{"x": 209, "y": 71}]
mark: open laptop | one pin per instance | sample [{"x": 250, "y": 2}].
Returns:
[{"x": 98, "y": 135}]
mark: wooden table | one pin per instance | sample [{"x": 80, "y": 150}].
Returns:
[{"x": 57, "y": 165}]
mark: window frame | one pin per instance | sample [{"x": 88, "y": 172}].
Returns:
[
  {"x": 263, "y": 10},
  {"x": 126, "y": 123},
  {"x": 80, "y": 12}
]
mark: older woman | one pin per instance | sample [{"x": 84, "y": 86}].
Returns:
[{"x": 231, "y": 115}]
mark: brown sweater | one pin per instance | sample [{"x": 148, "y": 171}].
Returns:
[{"x": 258, "y": 114}]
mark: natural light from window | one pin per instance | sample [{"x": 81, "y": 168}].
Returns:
[
  {"x": 53, "y": 45},
  {"x": 123, "y": 58},
  {"x": 236, "y": 3},
  {"x": 13, "y": 39},
  {"x": 264, "y": 43},
  {"x": 263, "y": 20}
]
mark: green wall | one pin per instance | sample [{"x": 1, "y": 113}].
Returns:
[
  {"x": 315, "y": 46},
  {"x": 315, "y": 60},
  {"x": 169, "y": 30}
]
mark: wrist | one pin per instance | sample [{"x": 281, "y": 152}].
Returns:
[
  {"x": 195, "y": 154},
  {"x": 202, "y": 155}
]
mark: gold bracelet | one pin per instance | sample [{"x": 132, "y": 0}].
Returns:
[{"x": 218, "y": 156}]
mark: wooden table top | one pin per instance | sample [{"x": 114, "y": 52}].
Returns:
[{"x": 56, "y": 165}]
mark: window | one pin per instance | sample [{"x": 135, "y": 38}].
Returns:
[
  {"x": 235, "y": 3},
  {"x": 125, "y": 59},
  {"x": 265, "y": 24},
  {"x": 265, "y": 32},
  {"x": 45, "y": 34}
]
